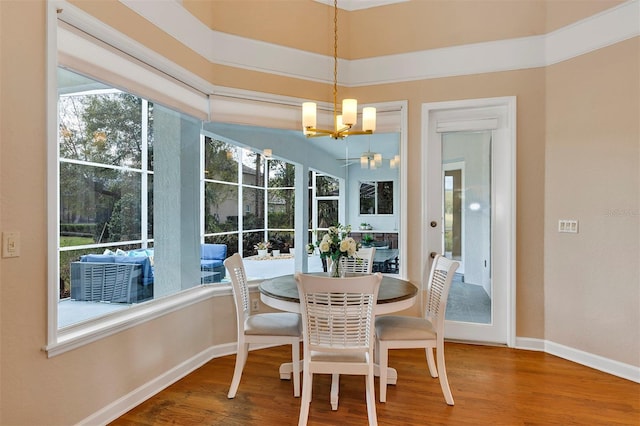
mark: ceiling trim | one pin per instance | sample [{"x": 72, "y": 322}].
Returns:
[
  {"x": 351, "y": 5},
  {"x": 600, "y": 30}
]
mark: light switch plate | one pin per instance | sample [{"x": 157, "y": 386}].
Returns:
[
  {"x": 568, "y": 225},
  {"x": 10, "y": 244}
]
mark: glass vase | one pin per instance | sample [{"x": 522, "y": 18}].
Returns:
[{"x": 334, "y": 268}]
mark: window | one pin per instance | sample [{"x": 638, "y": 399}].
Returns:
[
  {"x": 112, "y": 156},
  {"x": 263, "y": 187},
  {"x": 376, "y": 198}
]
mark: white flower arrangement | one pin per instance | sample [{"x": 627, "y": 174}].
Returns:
[{"x": 336, "y": 243}]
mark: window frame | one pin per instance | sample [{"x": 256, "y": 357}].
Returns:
[
  {"x": 376, "y": 198},
  {"x": 61, "y": 340}
]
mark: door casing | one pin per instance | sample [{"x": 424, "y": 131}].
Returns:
[{"x": 498, "y": 115}]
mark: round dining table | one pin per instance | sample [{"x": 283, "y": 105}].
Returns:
[{"x": 394, "y": 295}]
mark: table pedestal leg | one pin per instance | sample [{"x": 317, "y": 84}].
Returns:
[
  {"x": 286, "y": 370},
  {"x": 392, "y": 374}
]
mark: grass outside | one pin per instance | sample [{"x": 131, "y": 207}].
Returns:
[{"x": 66, "y": 257}]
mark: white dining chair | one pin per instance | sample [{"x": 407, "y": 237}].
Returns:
[
  {"x": 337, "y": 322},
  {"x": 284, "y": 328},
  {"x": 361, "y": 263},
  {"x": 399, "y": 332}
]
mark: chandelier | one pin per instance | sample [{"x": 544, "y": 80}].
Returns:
[{"x": 342, "y": 123}]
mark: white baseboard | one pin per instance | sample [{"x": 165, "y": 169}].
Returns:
[
  {"x": 149, "y": 389},
  {"x": 616, "y": 368},
  {"x": 146, "y": 391}
]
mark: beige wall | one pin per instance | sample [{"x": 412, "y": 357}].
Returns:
[
  {"x": 577, "y": 158},
  {"x": 592, "y": 279}
]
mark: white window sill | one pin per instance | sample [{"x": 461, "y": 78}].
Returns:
[{"x": 82, "y": 334}]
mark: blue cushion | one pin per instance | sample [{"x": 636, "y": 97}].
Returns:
[
  {"x": 209, "y": 264},
  {"x": 214, "y": 251},
  {"x": 98, "y": 258}
]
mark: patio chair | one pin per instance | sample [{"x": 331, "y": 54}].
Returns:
[
  {"x": 399, "y": 332},
  {"x": 337, "y": 320},
  {"x": 361, "y": 263},
  {"x": 282, "y": 328}
]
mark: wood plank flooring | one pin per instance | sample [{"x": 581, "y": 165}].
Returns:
[{"x": 490, "y": 385}]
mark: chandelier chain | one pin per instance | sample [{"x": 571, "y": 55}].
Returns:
[
  {"x": 342, "y": 124},
  {"x": 335, "y": 63}
]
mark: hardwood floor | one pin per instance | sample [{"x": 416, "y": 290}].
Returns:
[{"x": 490, "y": 385}]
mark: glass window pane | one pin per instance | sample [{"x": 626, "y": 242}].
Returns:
[
  {"x": 149, "y": 135},
  {"x": 385, "y": 197},
  {"x": 253, "y": 168},
  {"x": 281, "y": 240},
  {"x": 281, "y": 174},
  {"x": 281, "y": 209},
  {"x": 367, "y": 198},
  {"x": 327, "y": 213},
  {"x": 231, "y": 240},
  {"x": 220, "y": 161},
  {"x": 310, "y": 206},
  {"x": 106, "y": 200},
  {"x": 252, "y": 208},
  {"x": 101, "y": 128},
  {"x": 249, "y": 240},
  {"x": 327, "y": 186},
  {"x": 220, "y": 207},
  {"x": 150, "y": 206}
]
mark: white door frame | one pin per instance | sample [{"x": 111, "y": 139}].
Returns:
[{"x": 467, "y": 115}]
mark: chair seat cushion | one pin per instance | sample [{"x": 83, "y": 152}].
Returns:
[
  {"x": 274, "y": 324},
  {"x": 210, "y": 263},
  {"x": 395, "y": 327}
]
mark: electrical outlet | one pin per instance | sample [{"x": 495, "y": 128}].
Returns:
[{"x": 255, "y": 305}]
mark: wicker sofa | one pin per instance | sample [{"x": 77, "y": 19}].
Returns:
[
  {"x": 112, "y": 278},
  {"x": 127, "y": 277}
]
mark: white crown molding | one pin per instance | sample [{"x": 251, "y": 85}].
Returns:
[
  {"x": 600, "y": 30},
  {"x": 604, "y": 29},
  {"x": 477, "y": 58}
]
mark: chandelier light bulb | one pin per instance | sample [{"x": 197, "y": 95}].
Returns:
[
  {"x": 369, "y": 119},
  {"x": 349, "y": 112}
]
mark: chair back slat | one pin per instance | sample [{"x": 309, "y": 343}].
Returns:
[
  {"x": 440, "y": 277},
  {"x": 361, "y": 263},
  {"x": 338, "y": 312},
  {"x": 238, "y": 277}
]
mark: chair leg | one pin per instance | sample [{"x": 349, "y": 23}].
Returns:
[
  {"x": 241, "y": 359},
  {"x": 295, "y": 357},
  {"x": 371, "y": 399},
  {"x": 307, "y": 385},
  {"x": 383, "y": 357},
  {"x": 442, "y": 372},
  {"x": 335, "y": 389},
  {"x": 431, "y": 362}
]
